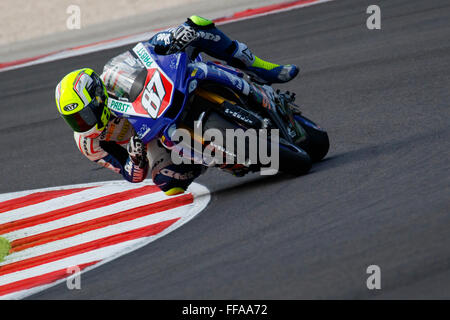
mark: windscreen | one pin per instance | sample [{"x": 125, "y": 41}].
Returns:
[{"x": 124, "y": 77}]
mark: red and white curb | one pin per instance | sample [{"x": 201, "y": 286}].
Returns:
[
  {"x": 53, "y": 230},
  {"x": 125, "y": 40}
]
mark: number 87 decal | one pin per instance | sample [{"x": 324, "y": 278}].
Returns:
[{"x": 153, "y": 95}]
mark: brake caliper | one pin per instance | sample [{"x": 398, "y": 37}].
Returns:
[{"x": 288, "y": 108}]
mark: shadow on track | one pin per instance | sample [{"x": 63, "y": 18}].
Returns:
[{"x": 373, "y": 151}]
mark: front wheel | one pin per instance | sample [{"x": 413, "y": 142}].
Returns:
[{"x": 317, "y": 142}]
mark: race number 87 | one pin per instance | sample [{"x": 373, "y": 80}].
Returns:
[{"x": 153, "y": 95}]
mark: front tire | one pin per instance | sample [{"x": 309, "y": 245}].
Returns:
[{"x": 317, "y": 143}]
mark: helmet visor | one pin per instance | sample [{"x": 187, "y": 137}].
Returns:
[{"x": 85, "y": 119}]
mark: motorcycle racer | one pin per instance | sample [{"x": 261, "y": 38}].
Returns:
[
  {"x": 201, "y": 35},
  {"x": 81, "y": 99}
]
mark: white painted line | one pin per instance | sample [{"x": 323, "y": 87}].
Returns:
[
  {"x": 109, "y": 44},
  {"x": 85, "y": 216},
  {"x": 108, "y": 253},
  {"x": 93, "y": 235}
]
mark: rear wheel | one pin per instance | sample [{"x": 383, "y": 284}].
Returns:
[{"x": 291, "y": 159}]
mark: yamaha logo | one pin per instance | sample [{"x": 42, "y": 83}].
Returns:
[{"x": 70, "y": 107}]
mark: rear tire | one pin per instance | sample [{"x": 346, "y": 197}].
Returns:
[{"x": 292, "y": 159}]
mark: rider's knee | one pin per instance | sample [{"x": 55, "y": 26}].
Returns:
[{"x": 199, "y": 22}]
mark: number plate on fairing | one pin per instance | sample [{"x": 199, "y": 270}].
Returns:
[{"x": 158, "y": 91}]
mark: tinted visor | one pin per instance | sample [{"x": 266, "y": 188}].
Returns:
[{"x": 87, "y": 118}]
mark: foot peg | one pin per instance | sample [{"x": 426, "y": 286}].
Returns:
[{"x": 289, "y": 99}]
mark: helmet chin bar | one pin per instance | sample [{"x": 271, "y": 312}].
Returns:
[
  {"x": 104, "y": 117},
  {"x": 93, "y": 133}
]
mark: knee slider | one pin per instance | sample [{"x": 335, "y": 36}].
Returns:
[{"x": 174, "y": 191}]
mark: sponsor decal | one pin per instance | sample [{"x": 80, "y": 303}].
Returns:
[
  {"x": 70, "y": 107},
  {"x": 209, "y": 36},
  {"x": 143, "y": 55},
  {"x": 238, "y": 115},
  {"x": 164, "y": 36},
  {"x": 124, "y": 131},
  {"x": 177, "y": 175},
  {"x": 119, "y": 106},
  {"x": 143, "y": 131},
  {"x": 174, "y": 63},
  {"x": 234, "y": 80}
]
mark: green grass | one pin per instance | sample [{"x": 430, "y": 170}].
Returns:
[{"x": 5, "y": 246}]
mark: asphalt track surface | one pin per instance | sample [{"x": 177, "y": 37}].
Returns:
[{"x": 380, "y": 197}]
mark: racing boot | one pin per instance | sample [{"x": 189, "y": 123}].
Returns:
[{"x": 215, "y": 43}]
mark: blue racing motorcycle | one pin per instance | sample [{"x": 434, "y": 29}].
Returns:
[{"x": 159, "y": 94}]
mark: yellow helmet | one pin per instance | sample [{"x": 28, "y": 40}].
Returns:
[{"x": 81, "y": 99}]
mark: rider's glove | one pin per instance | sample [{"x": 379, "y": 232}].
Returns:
[
  {"x": 137, "y": 151},
  {"x": 182, "y": 37}
]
